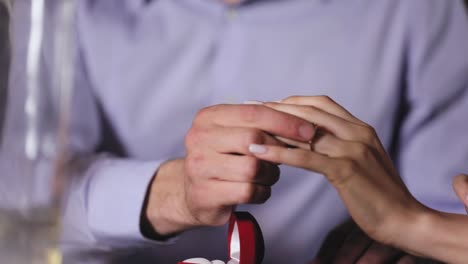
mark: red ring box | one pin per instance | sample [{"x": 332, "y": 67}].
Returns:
[{"x": 245, "y": 239}]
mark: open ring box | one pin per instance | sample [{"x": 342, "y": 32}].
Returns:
[{"x": 245, "y": 241}]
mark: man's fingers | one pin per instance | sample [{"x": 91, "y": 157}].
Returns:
[
  {"x": 338, "y": 126},
  {"x": 460, "y": 185},
  {"x": 295, "y": 143},
  {"x": 268, "y": 175},
  {"x": 300, "y": 158},
  {"x": 223, "y": 196},
  {"x": 323, "y": 103},
  {"x": 259, "y": 117},
  {"x": 245, "y": 193},
  {"x": 232, "y": 168},
  {"x": 228, "y": 139},
  {"x": 234, "y": 193}
]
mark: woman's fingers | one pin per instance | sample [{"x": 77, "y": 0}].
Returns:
[
  {"x": 331, "y": 146},
  {"x": 340, "y": 127},
  {"x": 330, "y": 123},
  {"x": 335, "y": 158},
  {"x": 295, "y": 143},
  {"x": 460, "y": 185},
  {"x": 239, "y": 139},
  {"x": 323, "y": 103},
  {"x": 324, "y": 143},
  {"x": 300, "y": 158}
]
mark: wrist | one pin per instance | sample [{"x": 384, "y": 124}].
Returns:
[
  {"x": 166, "y": 211},
  {"x": 412, "y": 233},
  {"x": 146, "y": 227},
  {"x": 441, "y": 236}
]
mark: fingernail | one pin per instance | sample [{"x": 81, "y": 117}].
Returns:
[
  {"x": 257, "y": 149},
  {"x": 306, "y": 131},
  {"x": 253, "y": 102},
  {"x": 466, "y": 199}
]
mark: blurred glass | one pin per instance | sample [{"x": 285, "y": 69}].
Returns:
[{"x": 35, "y": 88}]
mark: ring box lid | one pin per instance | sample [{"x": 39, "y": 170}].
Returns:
[{"x": 245, "y": 239}]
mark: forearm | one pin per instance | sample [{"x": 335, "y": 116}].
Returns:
[{"x": 437, "y": 235}]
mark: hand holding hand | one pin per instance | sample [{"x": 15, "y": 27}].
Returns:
[
  {"x": 348, "y": 152},
  {"x": 218, "y": 171}
]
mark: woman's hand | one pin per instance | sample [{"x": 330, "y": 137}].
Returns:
[
  {"x": 460, "y": 185},
  {"x": 348, "y": 152}
]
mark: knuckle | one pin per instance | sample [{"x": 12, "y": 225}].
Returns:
[
  {"x": 308, "y": 110},
  {"x": 349, "y": 167},
  {"x": 291, "y": 99},
  {"x": 203, "y": 113},
  {"x": 325, "y": 99},
  {"x": 368, "y": 133},
  {"x": 253, "y": 136},
  {"x": 341, "y": 173},
  {"x": 302, "y": 159},
  {"x": 251, "y": 113},
  {"x": 192, "y": 138},
  {"x": 193, "y": 163},
  {"x": 362, "y": 151}
]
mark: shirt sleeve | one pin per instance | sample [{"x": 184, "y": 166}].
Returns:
[
  {"x": 106, "y": 193},
  {"x": 105, "y": 202},
  {"x": 433, "y": 143}
]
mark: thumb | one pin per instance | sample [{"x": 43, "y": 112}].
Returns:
[{"x": 460, "y": 185}]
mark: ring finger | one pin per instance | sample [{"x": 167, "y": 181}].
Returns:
[{"x": 340, "y": 127}]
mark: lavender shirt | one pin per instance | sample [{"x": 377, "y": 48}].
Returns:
[{"x": 145, "y": 69}]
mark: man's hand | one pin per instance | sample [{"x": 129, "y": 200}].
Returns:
[
  {"x": 219, "y": 172},
  {"x": 347, "y": 244}
]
